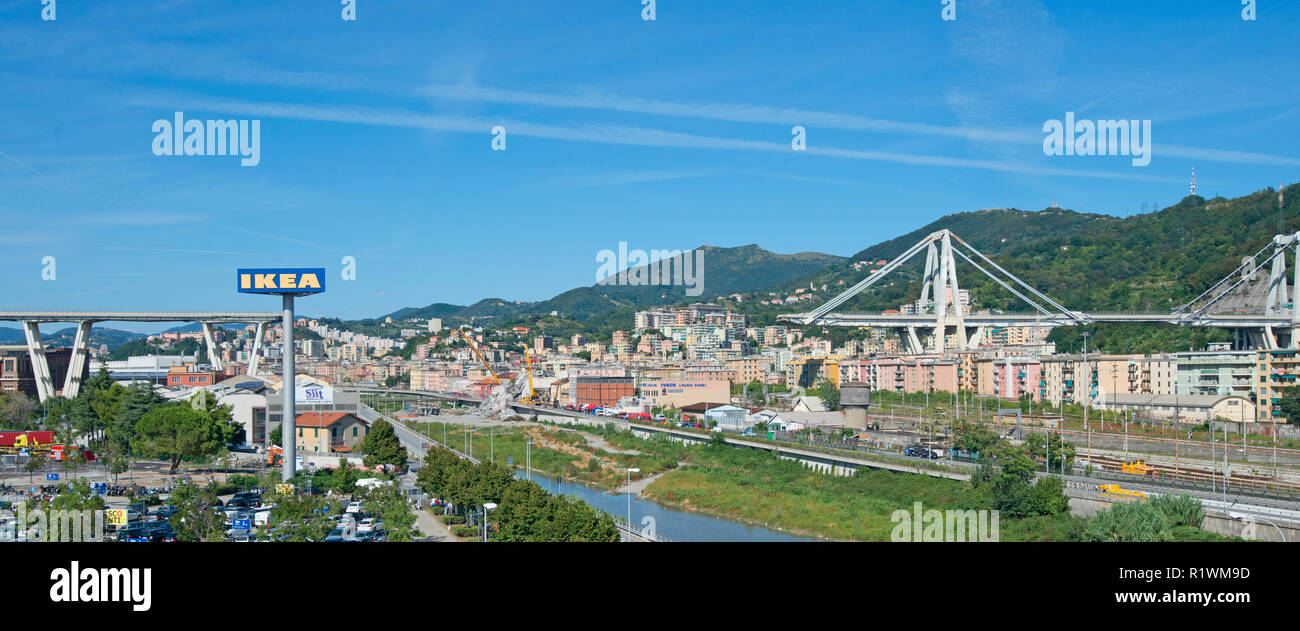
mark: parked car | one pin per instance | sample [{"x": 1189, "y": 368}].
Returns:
[
  {"x": 251, "y": 499},
  {"x": 354, "y": 507},
  {"x": 370, "y": 524},
  {"x": 373, "y": 535}
]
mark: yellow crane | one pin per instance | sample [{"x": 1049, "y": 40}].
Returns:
[
  {"x": 532, "y": 397},
  {"x": 474, "y": 348}
]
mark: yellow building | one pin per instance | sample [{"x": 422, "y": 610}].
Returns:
[{"x": 803, "y": 372}]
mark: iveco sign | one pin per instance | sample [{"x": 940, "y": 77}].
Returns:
[{"x": 294, "y": 280}]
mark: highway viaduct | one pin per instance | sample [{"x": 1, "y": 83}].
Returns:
[{"x": 31, "y": 321}]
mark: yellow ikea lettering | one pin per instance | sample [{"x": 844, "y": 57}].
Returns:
[
  {"x": 286, "y": 281},
  {"x": 245, "y": 281},
  {"x": 265, "y": 281},
  {"x": 309, "y": 281}
]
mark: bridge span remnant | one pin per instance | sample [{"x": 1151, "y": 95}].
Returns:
[
  {"x": 31, "y": 321},
  {"x": 1257, "y": 307}
]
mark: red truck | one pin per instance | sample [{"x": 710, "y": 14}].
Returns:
[{"x": 13, "y": 442}]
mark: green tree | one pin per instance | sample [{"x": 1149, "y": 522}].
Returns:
[
  {"x": 194, "y": 520},
  {"x": 176, "y": 432},
  {"x": 382, "y": 447},
  {"x": 1047, "y": 497},
  {"x": 72, "y": 460},
  {"x": 138, "y": 400},
  {"x": 35, "y": 462},
  {"x": 1037, "y": 445},
  {"x": 1290, "y": 404},
  {"x": 976, "y": 437},
  {"x": 829, "y": 394},
  {"x": 79, "y": 497},
  {"x": 18, "y": 412}
]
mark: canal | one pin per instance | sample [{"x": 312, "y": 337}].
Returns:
[{"x": 671, "y": 524}]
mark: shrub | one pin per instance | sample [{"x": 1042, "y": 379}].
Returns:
[
  {"x": 1131, "y": 521},
  {"x": 1182, "y": 510},
  {"x": 467, "y": 531},
  {"x": 452, "y": 519},
  {"x": 1047, "y": 497}
]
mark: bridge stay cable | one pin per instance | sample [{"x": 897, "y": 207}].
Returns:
[
  {"x": 1240, "y": 268},
  {"x": 1200, "y": 311}
]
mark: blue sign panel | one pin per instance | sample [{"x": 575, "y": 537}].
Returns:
[
  {"x": 53, "y": 477},
  {"x": 242, "y": 524},
  {"x": 280, "y": 280}
]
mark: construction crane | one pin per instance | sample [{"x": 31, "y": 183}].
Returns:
[
  {"x": 532, "y": 397},
  {"x": 472, "y": 347}
]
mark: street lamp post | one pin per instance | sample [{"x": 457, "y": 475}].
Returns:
[
  {"x": 528, "y": 458},
  {"x": 629, "y": 496},
  {"x": 487, "y": 508},
  {"x": 1242, "y": 517}
]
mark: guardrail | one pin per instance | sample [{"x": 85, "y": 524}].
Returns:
[{"x": 631, "y": 531}]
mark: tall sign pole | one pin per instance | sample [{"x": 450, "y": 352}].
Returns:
[
  {"x": 287, "y": 283},
  {"x": 289, "y": 421}
]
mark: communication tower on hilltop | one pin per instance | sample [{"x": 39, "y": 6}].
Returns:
[{"x": 1193, "y": 181}]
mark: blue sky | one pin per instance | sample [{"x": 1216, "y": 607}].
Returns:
[{"x": 672, "y": 133}]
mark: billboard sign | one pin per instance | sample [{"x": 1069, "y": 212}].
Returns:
[
  {"x": 241, "y": 524},
  {"x": 313, "y": 394},
  {"x": 280, "y": 280}
]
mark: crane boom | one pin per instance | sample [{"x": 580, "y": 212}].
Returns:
[{"x": 474, "y": 348}]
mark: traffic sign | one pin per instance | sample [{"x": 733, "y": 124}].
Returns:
[
  {"x": 510, "y": 460},
  {"x": 242, "y": 524},
  {"x": 53, "y": 477}
]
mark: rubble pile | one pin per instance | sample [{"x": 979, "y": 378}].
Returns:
[{"x": 498, "y": 402}]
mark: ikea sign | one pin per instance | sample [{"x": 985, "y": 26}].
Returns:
[{"x": 293, "y": 280}]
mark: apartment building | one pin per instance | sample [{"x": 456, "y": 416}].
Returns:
[
  {"x": 1016, "y": 377},
  {"x": 803, "y": 372},
  {"x": 1222, "y": 373},
  {"x": 1275, "y": 371}
]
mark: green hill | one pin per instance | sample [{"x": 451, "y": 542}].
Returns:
[{"x": 741, "y": 269}]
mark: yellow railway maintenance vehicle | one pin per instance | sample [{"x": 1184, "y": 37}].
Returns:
[
  {"x": 1136, "y": 467},
  {"x": 1115, "y": 490}
]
